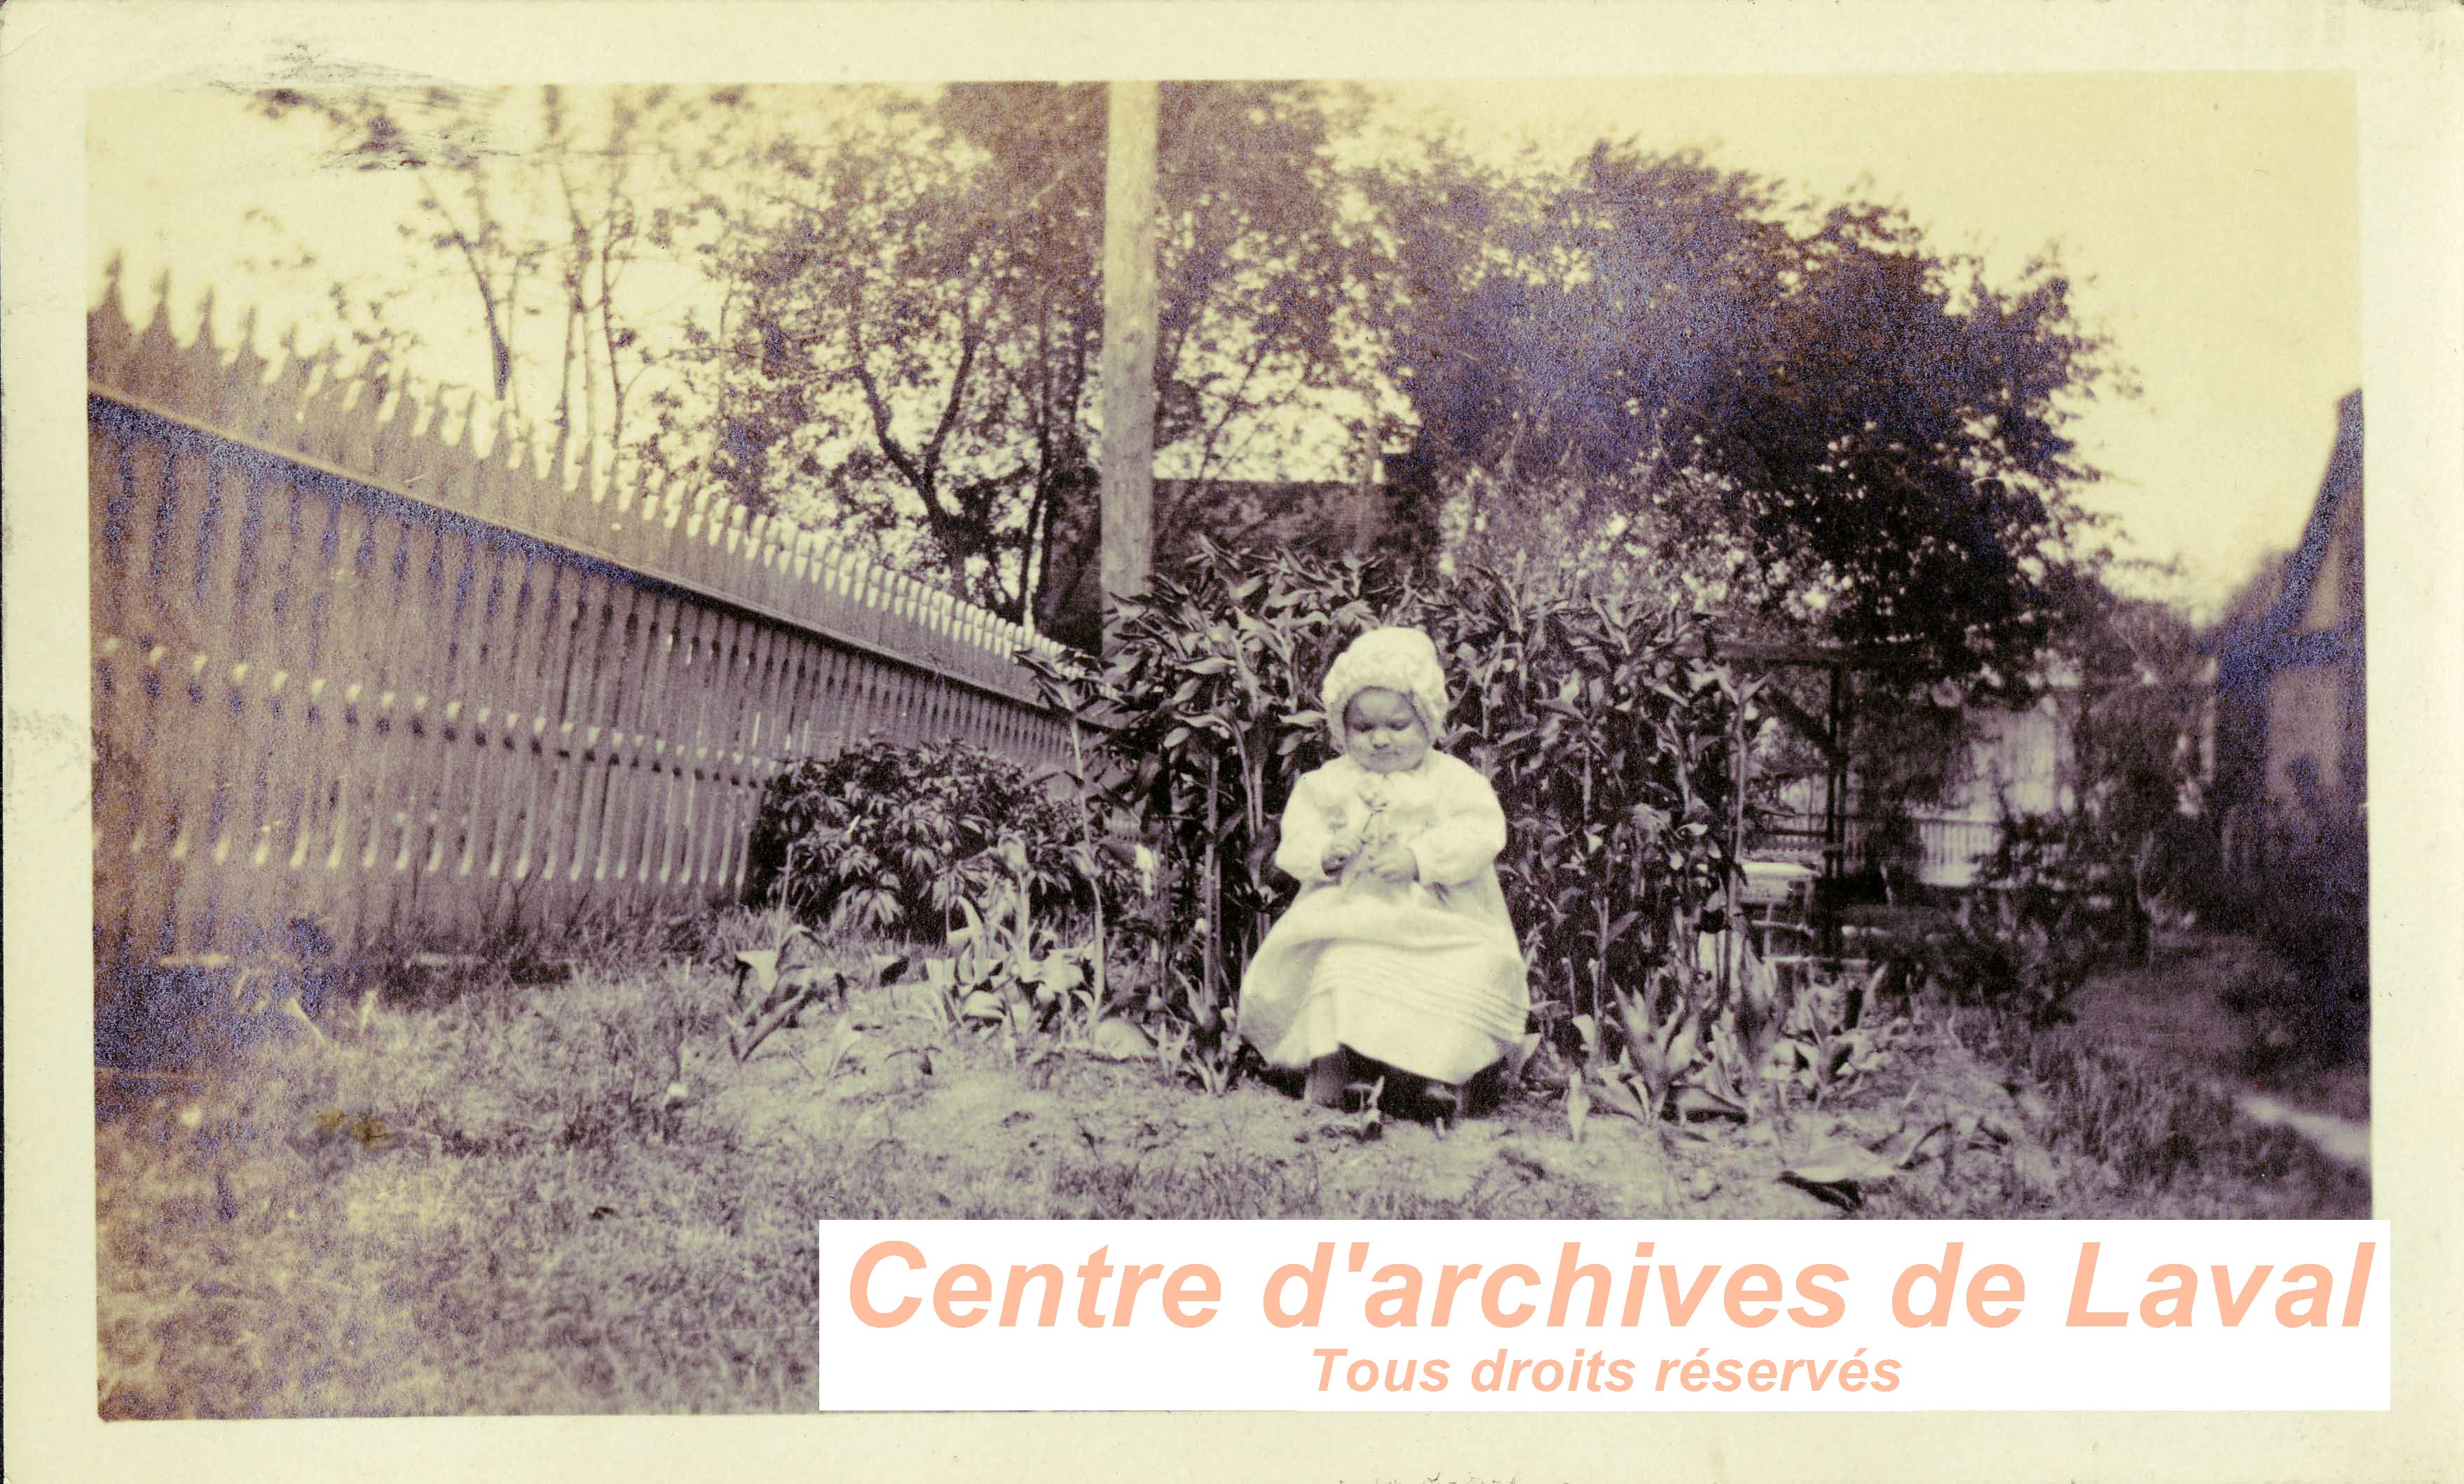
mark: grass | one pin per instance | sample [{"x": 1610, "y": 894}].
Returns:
[
  {"x": 2169, "y": 1143},
  {"x": 489, "y": 1198},
  {"x": 2222, "y": 1004},
  {"x": 529, "y": 1202}
]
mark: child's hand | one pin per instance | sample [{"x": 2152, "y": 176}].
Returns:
[
  {"x": 1394, "y": 863},
  {"x": 1339, "y": 853}
]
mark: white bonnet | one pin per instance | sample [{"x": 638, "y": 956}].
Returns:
[{"x": 1402, "y": 660}]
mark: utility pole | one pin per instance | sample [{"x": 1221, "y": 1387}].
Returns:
[{"x": 1128, "y": 344}]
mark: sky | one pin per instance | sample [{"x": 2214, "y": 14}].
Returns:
[{"x": 2210, "y": 222}]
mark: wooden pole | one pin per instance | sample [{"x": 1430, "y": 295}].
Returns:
[
  {"x": 1835, "y": 781},
  {"x": 1128, "y": 344},
  {"x": 1738, "y": 767},
  {"x": 1835, "y": 808}
]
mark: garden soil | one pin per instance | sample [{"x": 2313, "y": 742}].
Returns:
[{"x": 989, "y": 1123}]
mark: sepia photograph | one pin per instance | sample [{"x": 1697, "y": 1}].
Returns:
[{"x": 674, "y": 662}]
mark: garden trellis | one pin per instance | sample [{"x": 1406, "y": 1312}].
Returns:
[
  {"x": 350, "y": 668},
  {"x": 1829, "y": 734}
]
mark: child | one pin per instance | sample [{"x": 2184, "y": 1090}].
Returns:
[{"x": 1399, "y": 948}]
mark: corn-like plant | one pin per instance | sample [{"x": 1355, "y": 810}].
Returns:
[
  {"x": 1007, "y": 973},
  {"x": 1606, "y": 734}
]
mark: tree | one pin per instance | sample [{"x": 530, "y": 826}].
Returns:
[
  {"x": 912, "y": 314},
  {"x": 1673, "y": 346},
  {"x": 535, "y": 200},
  {"x": 2138, "y": 830}
]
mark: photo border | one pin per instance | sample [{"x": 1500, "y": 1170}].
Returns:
[{"x": 2403, "y": 51}]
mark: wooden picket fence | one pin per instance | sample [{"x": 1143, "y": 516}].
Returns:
[{"x": 347, "y": 669}]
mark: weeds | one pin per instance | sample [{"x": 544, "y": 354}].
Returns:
[{"x": 2164, "y": 1136}]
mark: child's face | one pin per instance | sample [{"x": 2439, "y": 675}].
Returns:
[{"x": 1382, "y": 732}]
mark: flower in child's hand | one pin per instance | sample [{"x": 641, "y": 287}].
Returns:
[{"x": 1343, "y": 840}]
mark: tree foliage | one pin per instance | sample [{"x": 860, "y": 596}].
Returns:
[
  {"x": 1676, "y": 346},
  {"x": 1800, "y": 412},
  {"x": 913, "y": 313},
  {"x": 2137, "y": 832}
]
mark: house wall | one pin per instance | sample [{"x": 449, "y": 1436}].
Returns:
[
  {"x": 2292, "y": 686},
  {"x": 2022, "y": 757},
  {"x": 2327, "y": 610},
  {"x": 2019, "y": 758},
  {"x": 2316, "y": 695},
  {"x": 2305, "y": 724}
]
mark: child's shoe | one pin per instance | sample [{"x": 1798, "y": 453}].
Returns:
[{"x": 1328, "y": 1077}]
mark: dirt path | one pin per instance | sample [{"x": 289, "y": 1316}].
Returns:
[{"x": 2342, "y": 1139}]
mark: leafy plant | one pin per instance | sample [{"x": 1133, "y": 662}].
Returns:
[
  {"x": 2314, "y": 917},
  {"x": 1005, "y": 971},
  {"x": 1832, "y": 1039},
  {"x": 1606, "y": 736},
  {"x": 886, "y": 836},
  {"x": 2022, "y": 949},
  {"x": 1212, "y": 1062}
]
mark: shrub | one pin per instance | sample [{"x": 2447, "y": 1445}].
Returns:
[
  {"x": 1606, "y": 738},
  {"x": 890, "y": 836},
  {"x": 2314, "y": 913},
  {"x": 2021, "y": 952}
]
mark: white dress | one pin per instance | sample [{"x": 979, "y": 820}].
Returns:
[{"x": 1426, "y": 976}]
